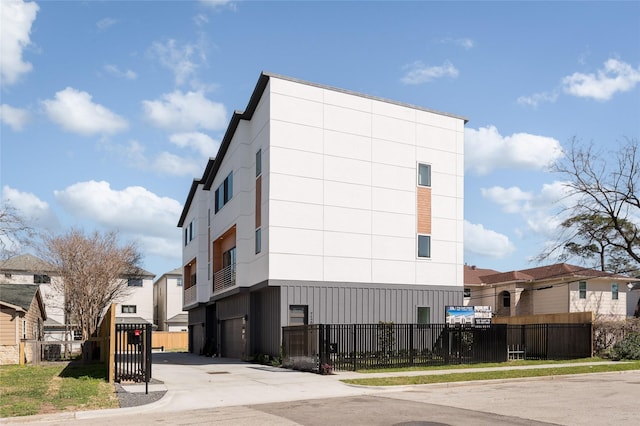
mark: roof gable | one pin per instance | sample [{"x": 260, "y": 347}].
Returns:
[
  {"x": 550, "y": 272},
  {"x": 26, "y": 263},
  {"x": 21, "y": 295}
]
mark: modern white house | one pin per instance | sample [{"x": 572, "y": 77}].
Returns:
[
  {"x": 167, "y": 302},
  {"x": 322, "y": 206},
  {"x": 137, "y": 306}
]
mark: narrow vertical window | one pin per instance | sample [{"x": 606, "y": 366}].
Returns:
[
  {"x": 258, "y": 240},
  {"x": 614, "y": 291},
  {"x": 259, "y": 162},
  {"x": 424, "y": 174},
  {"x": 424, "y": 246}
]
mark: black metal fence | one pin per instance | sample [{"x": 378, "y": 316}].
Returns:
[
  {"x": 551, "y": 341},
  {"x": 133, "y": 353},
  {"x": 324, "y": 347}
]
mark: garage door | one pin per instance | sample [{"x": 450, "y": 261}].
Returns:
[{"x": 232, "y": 338}]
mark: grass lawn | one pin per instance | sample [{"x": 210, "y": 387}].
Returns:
[
  {"x": 493, "y": 375},
  {"x": 28, "y": 390}
]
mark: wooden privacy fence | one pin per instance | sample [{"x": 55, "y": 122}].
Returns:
[{"x": 170, "y": 340}]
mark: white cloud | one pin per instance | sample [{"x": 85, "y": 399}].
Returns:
[
  {"x": 133, "y": 210},
  {"x": 197, "y": 141},
  {"x": 486, "y": 242},
  {"x": 616, "y": 76},
  {"x": 16, "y": 18},
  {"x": 75, "y": 112},
  {"x": 181, "y": 60},
  {"x": 115, "y": 71},
  {"x": 512, "y": 200},
  {"x": 138, "y": 214},
  {"x": 542, "y": 212},
  {"x": 538, "y": 98},
  {"x": 35, "y": 212},
  {"x": 15, "y": 118},
  {"x": 171, "y": 164},
  {"x": 486, "y": 150},
  {"x": 465, "y": 42},
  {"x": 420, "y": 73},
  {"x": 219, "y": 4},
  {"x": 185, "y": 112},
  {"x": 105, "y": 23}
]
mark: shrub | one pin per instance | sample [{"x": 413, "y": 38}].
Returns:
[{"x": 628, "y": 348}]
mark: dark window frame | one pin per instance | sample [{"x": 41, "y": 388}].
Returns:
[
  {"x": 424, "y": 180},
  {"x": 129, "y": 309},
  {"x": 421, "y": 253},
  {"x": 582, "y": 289},
  {"x": 135, "y": 282}
]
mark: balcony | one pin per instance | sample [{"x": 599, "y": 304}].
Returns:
[
  {"x": 224, "y": 278},
  {"x": 190, "y": 296}
]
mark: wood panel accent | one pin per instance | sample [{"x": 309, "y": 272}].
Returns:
[
  {"x": 423, "y": 210},
  {"x": 222, "y": 244}
]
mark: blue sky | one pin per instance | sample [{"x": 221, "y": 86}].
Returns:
[{"x": 109, "y": 110}]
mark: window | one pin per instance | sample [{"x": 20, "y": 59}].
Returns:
[
  {"x": 582, "y": 287},
  {"x": 467, "y": 292},
  {"x": 24, "y": 329},
  {"x": 424, "y": 246},
  {"x": 298, "y": 314},
  {"x": 506, "y": 299},
  {"x": 7, "y": 275},
  {"x": 258, "y": 240},
  {"x": 424, "y": 174},
  {"x": 224, "y": 193},
  {"x": 41, "y": 279},
  {"x": 179, "y": 282},
  {"x": 188, "y": 233},
  {"x": 614, "y": 291},
  {"x": 134, "y": 282},
  {"x": 424, "y": 315},
  {"x": 259, "y": 162},
  {"x": 129, "y": 309}
]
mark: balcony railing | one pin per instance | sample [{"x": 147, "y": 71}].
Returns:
[
  {"x": 224, "y": 278},
  {"x": 190, "y": 296}
]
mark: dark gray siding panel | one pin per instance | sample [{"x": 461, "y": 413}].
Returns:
[
  {"x": 363, "y": 303},
  {"x": 264, "y": 321},
  {"x": 196, "y": 330},
  {"x": 230, "y": 311}
]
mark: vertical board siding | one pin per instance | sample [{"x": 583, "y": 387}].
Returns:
[{"x": 342, "y": 304}]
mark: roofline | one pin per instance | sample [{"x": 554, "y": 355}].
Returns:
[
  {"x": 12, "y": 306},
  {"x": 212, "y": 169},
  {"x": 192, "y": 191}
]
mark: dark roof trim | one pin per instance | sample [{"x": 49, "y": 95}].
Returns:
[{"x": 192, "y": 191}]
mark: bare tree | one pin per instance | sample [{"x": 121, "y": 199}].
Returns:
[
  {"x": 14, "y": 230},
  {"x": 94, "y": 271},
  {"x": 606, "y": 217}
]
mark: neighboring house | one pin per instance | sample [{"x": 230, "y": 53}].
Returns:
[
  {"x": 473, "y": 277},
  {"x": 553, "y": 289},
  {"x": 29, "y": 269},
  {"x": 137, "y": 306},
  {"x": 167, "y": 302},
  {"x": 22, "y": 316},
  {"x": 633, "y": 300},
  {"x": 322, "y": 206}
]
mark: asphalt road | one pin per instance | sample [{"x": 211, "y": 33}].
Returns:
[{"x": 595, "y": 399}]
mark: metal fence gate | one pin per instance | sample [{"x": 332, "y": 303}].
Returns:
[{"x": 133, "y": 353}]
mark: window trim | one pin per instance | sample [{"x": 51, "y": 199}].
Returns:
[
  {"x": 258, "y": 237},
  {"x": 135, "y": 282},
  {"x": 428, "y": 166},
  {"x": 258, "y": 162},
  {"x": 130, "y": 309},
  {"x": 224, "y": 192},
  {"x": 418, "y": 246},
  {"x": 615, "y": 292},
  {"x": 582, "y": 289}
]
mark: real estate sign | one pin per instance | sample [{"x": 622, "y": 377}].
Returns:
[{"x": 468, "y": 315}]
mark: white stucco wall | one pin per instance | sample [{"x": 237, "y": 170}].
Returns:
[
  {"x": 342, "y": 201},
  {"x": 142, "y": 298}
]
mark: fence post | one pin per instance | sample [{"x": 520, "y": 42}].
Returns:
[
  {"x": 411, "y": 344},
  {"x": 355, "y": 342}
]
